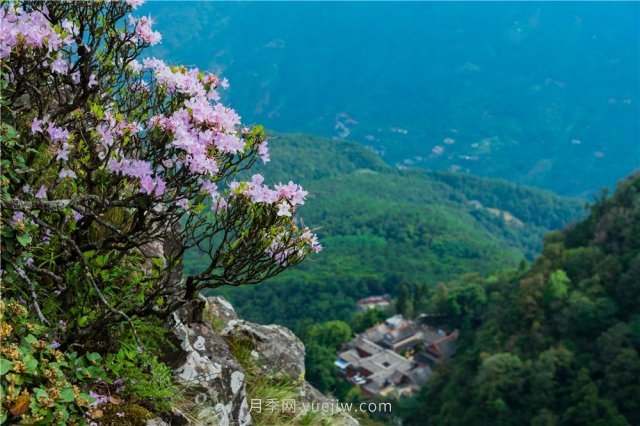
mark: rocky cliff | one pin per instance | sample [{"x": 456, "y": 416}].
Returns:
[{"x": 234, "y": 372}]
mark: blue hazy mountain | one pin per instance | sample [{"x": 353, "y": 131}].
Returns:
[{"x": 538, "y": 93}]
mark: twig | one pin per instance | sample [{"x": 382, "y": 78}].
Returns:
[
  {"x": 48, "y": 273},
  {"x": 34, "y": 296},
  {"x": 87, "y": 271}
]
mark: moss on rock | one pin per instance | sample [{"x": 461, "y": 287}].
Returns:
[{"x": 125, "y": 415}]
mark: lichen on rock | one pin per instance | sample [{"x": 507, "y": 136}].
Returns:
[{"x": 218, "y": 370}]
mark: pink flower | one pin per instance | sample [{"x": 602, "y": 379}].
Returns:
[
  {"x": 17, "y": 217},
  {"x": 60, "y": 66},
  {"x": 161, "y": 186},
  {"x": 133, "y": 168},
  {"x": 257, "y": 179},
  {"x": 33, "y": 29},
  {"x": 144, "y": 31},
  {"x": 312, "y": 240},
  {"x": 292, "y": 192},
  {"x": 134, "y": 3},
  {"x": 183, "y": 202},
  {"x": 263, "y": 151},
  {"x": 66, "y": 173},
  {"x": 147, "y": 185},
  {"x": 284, "y": 209},
  {"x": 153, "y": 63},
  {"x": 57, "y": 134},
  {"x": 42, "y": 193},
  {"x": 36, "y": 126},
  {"x": 260, "y": 193},
  {"x": 135, "y": 66},
  {"x": 231, "y": 144},
  {"x": 213, "y": 95},
  {"x": 211, "y": 188},
  {"x": 142, "y": 170},
  {"x": 69, "y": 26},
  {"x": 63, "y": 153},
  {"x": 226, "y": 117},
  {"x": 219, "y": 204}
]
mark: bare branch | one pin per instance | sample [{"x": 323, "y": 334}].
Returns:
[{"x": 32, "y": 289}]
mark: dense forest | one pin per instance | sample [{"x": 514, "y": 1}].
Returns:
[
  {"x": 382, "y": 226},
  {"x": 555, "y": 342}
]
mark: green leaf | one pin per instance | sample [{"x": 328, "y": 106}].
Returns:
[
  {"x": 31, "y": 365},
  {"x": 40, "y": 393},
  {"x": 67, "y": 395},
  {"x": 31, "y": 339},
  {"x": 87, "y": 397},
  {"x": 83, "y": 320},
  {"x": 5, "y": 366},
  {"x": 24, "y": 239},
  {"x": 94, "y": 357}
]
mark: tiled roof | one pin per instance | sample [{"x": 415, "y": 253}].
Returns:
[
  {"x": 384, "y": 368},
  {"x": 350, "y": 356},
  {"x": 367, "y": 346}
]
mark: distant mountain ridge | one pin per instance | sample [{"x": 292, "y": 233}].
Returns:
[
  {"x": 542, "y": 94},
  {"x": 380, "y": 224}
]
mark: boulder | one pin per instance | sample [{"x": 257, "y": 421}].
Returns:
[
  {"x": 214, "y": 381},
  {"x": 219, "y": 309},
  {"x": 275, "y": 348},
  {"x": 312, "y": 395},
  {"x": 157, "y": 422},
  {"x": 212, "y": 378}
]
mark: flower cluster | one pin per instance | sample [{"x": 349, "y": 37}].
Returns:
[
  {"x": 139, "y": 132},
  {"x": 134, "y": 3},
  {"x": 281, "y": 250},
  {"x": 143, "y": 30},
  {"x": 141, "y": 170},
  {"x": 28, "y": 30},
  {"x": 204, "y": 130},
  {"x": 286, "y": 197}
]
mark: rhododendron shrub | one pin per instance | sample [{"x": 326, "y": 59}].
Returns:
[{"x": 107, "y": 155}]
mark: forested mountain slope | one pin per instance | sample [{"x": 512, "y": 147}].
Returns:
[
  {"x": 540, "y": 93},
  {"x": 380, "y": 225},
  {"x": 554, "y": 344}
]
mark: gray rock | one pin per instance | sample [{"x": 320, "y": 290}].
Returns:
[
  {"x": 214, "y": 381},
  {"x": 157, "y": 422},
  {"x": 276, "y": 348},
  {"x": 220, "y": 309},
  {"x": 153, "y": 250},
  {"x": 211, "y": 376},
  {"x": 312, "y": 395}
]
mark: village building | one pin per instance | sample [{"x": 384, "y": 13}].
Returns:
[
  {"x": 396, "y": 357},
  {"x": 374, "y": 302}
]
